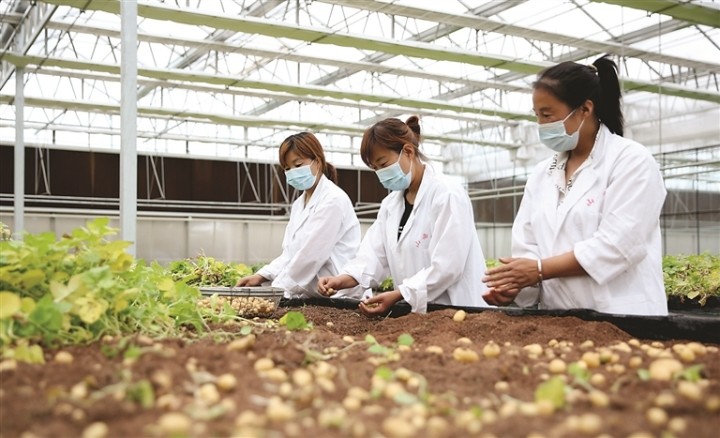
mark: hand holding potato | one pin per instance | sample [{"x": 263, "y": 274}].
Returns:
[
  {"x": 380, "y": 304},
  {"x": 328, "y": 286}
]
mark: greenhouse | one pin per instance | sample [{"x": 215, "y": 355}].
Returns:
[{"x": 155, "y": 280}]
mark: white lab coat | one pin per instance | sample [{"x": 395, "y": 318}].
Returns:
[
  {"x": 438, "y": 257},
  {"x": 320, "y": 239},
  {"x": 610, "y": 219}
]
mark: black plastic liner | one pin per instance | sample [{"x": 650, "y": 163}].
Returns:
[{"x": 676, "y": 326}]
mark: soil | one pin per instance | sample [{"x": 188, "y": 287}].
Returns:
[{"x": 40, "y": 401}]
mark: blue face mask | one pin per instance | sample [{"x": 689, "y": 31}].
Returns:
[
  {"x": 393, "y": 177},
  {"x": 554, "y": 136},
  {"x": 300, "y": 177}
]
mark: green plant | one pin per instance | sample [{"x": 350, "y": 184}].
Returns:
[
  {"x": 82, "y": 286},
  {"x": 294, "y": 320},
  {"x": 695, "y": 277},
  {"x": 207, "y": 271}
]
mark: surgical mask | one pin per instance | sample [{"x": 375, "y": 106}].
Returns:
[
  {"x": 554, "y": 136},
  {"x": 393, "y": 177},
  {"x": 300, "y": 177}
]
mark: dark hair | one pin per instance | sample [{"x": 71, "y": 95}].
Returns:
[
  {"x": 391, "y": 134},
  {"x": 307, "y": 145},
  {"x": 574, "y": 83}
]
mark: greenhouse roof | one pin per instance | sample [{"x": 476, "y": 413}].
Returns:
[{"x": 231, "y": 79}]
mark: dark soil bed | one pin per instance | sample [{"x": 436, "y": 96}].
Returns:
[{"x": 440, "y": 395}]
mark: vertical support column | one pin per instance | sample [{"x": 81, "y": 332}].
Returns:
[
  {"x": 19, "y": 153},
  {"x": 128, "y": 123}
]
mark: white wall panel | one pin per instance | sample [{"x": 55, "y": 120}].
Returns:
[{"x": 248, "y": 240}]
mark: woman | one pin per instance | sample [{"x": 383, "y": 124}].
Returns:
[
  {"x": 323, "y": 232},
  {"x": 424, "y": 235},
  {"x": 587, "y": 231}
]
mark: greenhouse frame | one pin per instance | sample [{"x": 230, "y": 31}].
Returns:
[{"x": 167, "y": 115}]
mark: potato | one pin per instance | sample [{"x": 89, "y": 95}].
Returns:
[
  {"x": 689, "y": 390},
  {"x": 533, "y": 349},
  {"x": 459, "y": 316},
  {"x": 242, "y": 344},
  {"x": 434, "y": 349},
  {"x": 656, "y": 416},
  {"x": 279, "y": 411},
  {"x": 465, "y": 355},
  {"x": 97, "y": 429},
  {"x": 209, "y": 394},
  {"x": 352, "y": 403},
  {"x": 491, "y": 350},
  {"x": 437, "y": 426},
  {"x": 396, "y": 427},
  {"x": 264, "y": 364},
  {"x": 599, "y": 399},
  {"x": 226, "y": 382},
  {"x": 63, "y": 357},
  {"x": 663, "y": 369},
  {"x": 174, "y": 423},
  {"x": 557, "y": 366},
  {"x": 591, "y": 359}
]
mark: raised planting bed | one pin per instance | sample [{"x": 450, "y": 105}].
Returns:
[{"x": 446, "y": 374}]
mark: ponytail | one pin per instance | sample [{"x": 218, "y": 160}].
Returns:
[
  {"x": 574, "y": 83},
  {"x": 331, "y": 172},
  {"x": 413, "y": 123},
  {"x": 608, "y": 108}
]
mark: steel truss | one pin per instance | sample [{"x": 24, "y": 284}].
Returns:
[{"x": 243, "y": 77}]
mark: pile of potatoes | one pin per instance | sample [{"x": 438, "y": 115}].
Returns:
[{"x": 246, "y": 307}]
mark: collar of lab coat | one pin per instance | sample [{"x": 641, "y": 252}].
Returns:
[
  {"x": 396, "y": 206},
  {"x": 320, "y": 191},
  {"x": 585, "y": 181}
]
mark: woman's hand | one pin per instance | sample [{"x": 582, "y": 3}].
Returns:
[
  {"x": 328, "y": 286},
  {"x": 251, "y": 280},
  {"x": 380, "y": 303},
  {"x": 506, "y": 281}
]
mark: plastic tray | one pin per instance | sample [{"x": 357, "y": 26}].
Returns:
[{"x": 694, "y": 327}]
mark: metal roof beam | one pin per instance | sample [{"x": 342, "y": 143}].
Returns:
[
  {"x": 695, "y": 13},
  {"x": 328, "y": 36},
  {"x": 223, "y": 119},
  {"x": 427, "y": 35},
  {"x": 269, "y": 95},
  {"x": 489, "y": 25},
  {"x": 278, "y": 54},
  {"x": 256, "y": 10},
  {"x": 232, "y": 81}
]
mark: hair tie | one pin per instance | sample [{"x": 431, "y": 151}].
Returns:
[{"x": 593, "y": 68}]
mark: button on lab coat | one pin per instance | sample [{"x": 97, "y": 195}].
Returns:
[
  {"x": 610, "y": 219},
  {"x": 319, "y": 240},
  {"x": 437, "y": 258}
]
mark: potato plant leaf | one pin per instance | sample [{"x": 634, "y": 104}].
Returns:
[
  {"x": 405, "y": 339},
  {"x": 553, "y": 390},
  {"x": 10, "y": 303},
  {"x": 692, "y": 373},
  {"x": 294, "y": 320},
  {"x": 384, "y": 373}
]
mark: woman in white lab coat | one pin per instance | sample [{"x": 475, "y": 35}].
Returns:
[
  {"x": 323, "y": 233},
  {"x": 587, "y": 234},
  {"x": 424, "y": 236}
]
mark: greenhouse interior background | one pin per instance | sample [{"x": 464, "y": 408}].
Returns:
[{"x": 167, "y": 117}]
